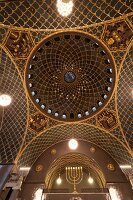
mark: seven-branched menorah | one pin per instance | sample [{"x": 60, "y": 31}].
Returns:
[{"x": 74, "y": 175}]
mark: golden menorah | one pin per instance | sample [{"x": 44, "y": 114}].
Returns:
[{"x": 74, "y": 176}]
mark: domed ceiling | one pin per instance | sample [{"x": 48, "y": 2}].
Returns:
[
  {"x": 66, "y": 76},
  {"x": 70, "y": 76}
]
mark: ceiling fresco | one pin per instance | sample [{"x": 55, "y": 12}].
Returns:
[{"x": 27, "y": 129}]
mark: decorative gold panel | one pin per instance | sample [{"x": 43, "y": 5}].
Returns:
[
  {"x": 117, "y": 35},
  {"x": 111, "y": 167},
  {"x": 38, "y": 122},
  {"x": 39, "y": 168},
  {"x": 19, "y": 44},
  {"x": 107, "y": 119}
]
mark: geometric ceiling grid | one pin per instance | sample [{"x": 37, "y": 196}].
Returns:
[
  {"x": 125, "y": 97},
  {"x": 20, "y": 64},
  {"x": 13, "y": 127},
  {"x": 70, "y": 76},
  {"x": 80, "y": 131},
  {"x": 117, "y": 133},
  {"x": 46, "y": 16},
  {"x": 37, "y": 36},
  {"x": 96, "y": 30},
  {"x": 3, "y": 32},
  {"x": 26, "y": 132},
  {"x": 118, "y": 56},
  {"x": 130, "y": 20},
  {"x": 39, "y": 123}
]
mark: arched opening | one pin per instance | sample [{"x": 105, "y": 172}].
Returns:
[{"x": 77, "y": 165}]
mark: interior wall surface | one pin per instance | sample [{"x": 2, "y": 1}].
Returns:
[{"x": 36, "y": 179}]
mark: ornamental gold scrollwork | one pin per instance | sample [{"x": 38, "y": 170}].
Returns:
[
  {"x": 53, "y": 151},
  {"x": 117, "y": 35},
  {"x": 107, "y": 119},
  {"x": 92, "y": 149},
  {"x": 39, "y": 168},
  {"x": 111, "y": 167},
  {"x": 38, "y": 122},
  {"x": 19, "y": 43}
]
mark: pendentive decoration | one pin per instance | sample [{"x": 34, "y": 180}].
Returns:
[
  {"x": 107, "y": 119},
  {"x": 19, "y": 43},
  {"x": 70, "y": 76},
  {"x": 117, "y": 35},
  {"x": 38, "y": 122}
]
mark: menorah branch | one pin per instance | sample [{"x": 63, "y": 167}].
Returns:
[{"x": 74, "y": 176}]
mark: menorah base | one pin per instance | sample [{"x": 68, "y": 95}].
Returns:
[{"x": 75, "y": 192}]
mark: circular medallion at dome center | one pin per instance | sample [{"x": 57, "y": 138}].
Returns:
[{"x": 70, "y": 76}]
